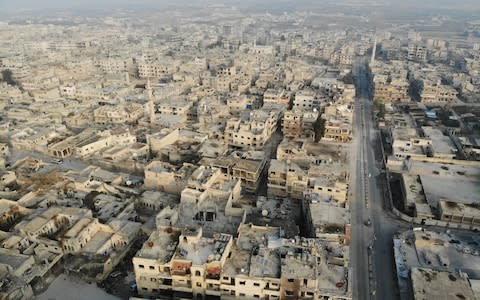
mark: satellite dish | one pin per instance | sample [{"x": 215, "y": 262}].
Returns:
[{"x": 264, "y": 212}]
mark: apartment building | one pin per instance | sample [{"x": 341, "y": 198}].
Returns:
[
  {"x": 338, "y": 130},
  {"x": 246, "y": 168},
  {"x": 183, "y": 261},
  {"x": 252, "y": 129},
  {"x": 391, "y": 89},
  {"x": 157, "y": 68},
  {"x": 174, "y": 260},
  {"x": 118, "y": 114},
  {"x": 298, "y": 123},
  {"x": 286, "y": 179},
  {"x": 417, "y": 52},
  {"x": 277, "y": 96},
  {"x": 433, "y": 92},
  {"x": 306, "y": 99}
]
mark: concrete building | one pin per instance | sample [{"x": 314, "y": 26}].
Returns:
[
  {"x": 119, "y": 114},
  {"x": 286, "y": 179},
  {"x": 251, "y": 130},
  {"x": 298, "y": 123}
]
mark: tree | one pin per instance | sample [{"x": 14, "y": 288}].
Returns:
[
  {"x": 8, "y": 77},
  {"x": 348, "y": 79},
  {"x": 319, "y": 128},
  {"x": 415, "y": 89},
  {"x": 379, "y": 106}
]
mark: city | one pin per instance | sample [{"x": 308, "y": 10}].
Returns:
[{"x": 244, "y": 150}]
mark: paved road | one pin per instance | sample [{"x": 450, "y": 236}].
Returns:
[
  {"x": 361, "y": 234},
  {"x": 69, "y": 163},
  {"x": 374, "y": 269}
]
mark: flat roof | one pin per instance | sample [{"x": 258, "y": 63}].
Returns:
[
  {"x": 453, "y": 189},
  {"x": 160, "y": 245},
  {"x": 432, "y": 284},
  {"x": 324, "y": 214}
]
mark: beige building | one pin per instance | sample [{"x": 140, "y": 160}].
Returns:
[
  {"x": 306, "y": 99},
  {"x": 436, "y": 284},
  {"x": 274, "y": 96},
  {"x": 338, "y": 130},
  {"x": 157, "y": 68},
  {"x": 286, "y": 179},
  {"x": 298, "y": 123},
  {"x": 390, "y": 89},
  {"x": 433, "y": 92},
  {"x": 180, "y": 110},
  {"x": 457, "y": 212},
  {"x": 185, "y": 261},
  {"x": 182, "y": 261},
  {"x": 246, "y": 169},
  {"x": 167, "y": 178},
  {"x": 176, "y": 146},
  {"x": 118, "y": 114},
  {"x": 96, "y": 142},
  {"x": 251, "y": 130},
  {"x": 407, "y": 143}
]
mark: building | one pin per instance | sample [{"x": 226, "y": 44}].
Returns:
[
  {"x": 299, "y": 123},
  {"x": 183, "y": 261},
  {"x": 274, "y": 96},
  {"x": 338, "y": 130},
  {"x": 118, "y": 114},
  {"x": 251, "y": 130},
  {"x": 286, "y": 179}
]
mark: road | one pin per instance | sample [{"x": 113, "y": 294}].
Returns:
[
  {"x": 69, "y": 163},
  {"x": 374, "y": 275},
  {"x": 360, "y": 233}
]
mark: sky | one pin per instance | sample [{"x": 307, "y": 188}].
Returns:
[{"x": 13, "y": 7}]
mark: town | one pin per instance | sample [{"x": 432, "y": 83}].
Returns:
[{"x": 219, "y": 153}]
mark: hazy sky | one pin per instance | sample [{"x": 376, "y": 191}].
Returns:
[{"x": 12, "y": 7}]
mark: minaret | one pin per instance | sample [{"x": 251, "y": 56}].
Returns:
[
  {"x": 151, "y": 105},
  {"x": 372, "y": 61}
]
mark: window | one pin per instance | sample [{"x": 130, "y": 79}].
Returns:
[
  {"x": 289, "y": 293},
  {"x": 199, "y": 284},
  {"x": 242, "y": 282},
  {"x": 256, "y": 284},
  {"x": 197, "y": 273},
  {"x": 151, "y": 267},
  {"x": 153, "y": 279},
  {"x": 291, "y": 280},
  {"x": 141, "y": 266}
]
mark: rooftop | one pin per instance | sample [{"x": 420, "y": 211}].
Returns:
[
  {"x": 161, "y": 244},
  {"x": 432, "y": 284}
]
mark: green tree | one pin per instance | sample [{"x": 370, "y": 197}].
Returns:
[
  {"x": 7, "y": 76},
  {"x": 379, "y": 107},
  {"x": 348, "y": 79},
  {"x": 415, "y": 89},
  {"x": 319, "y": 128}
]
